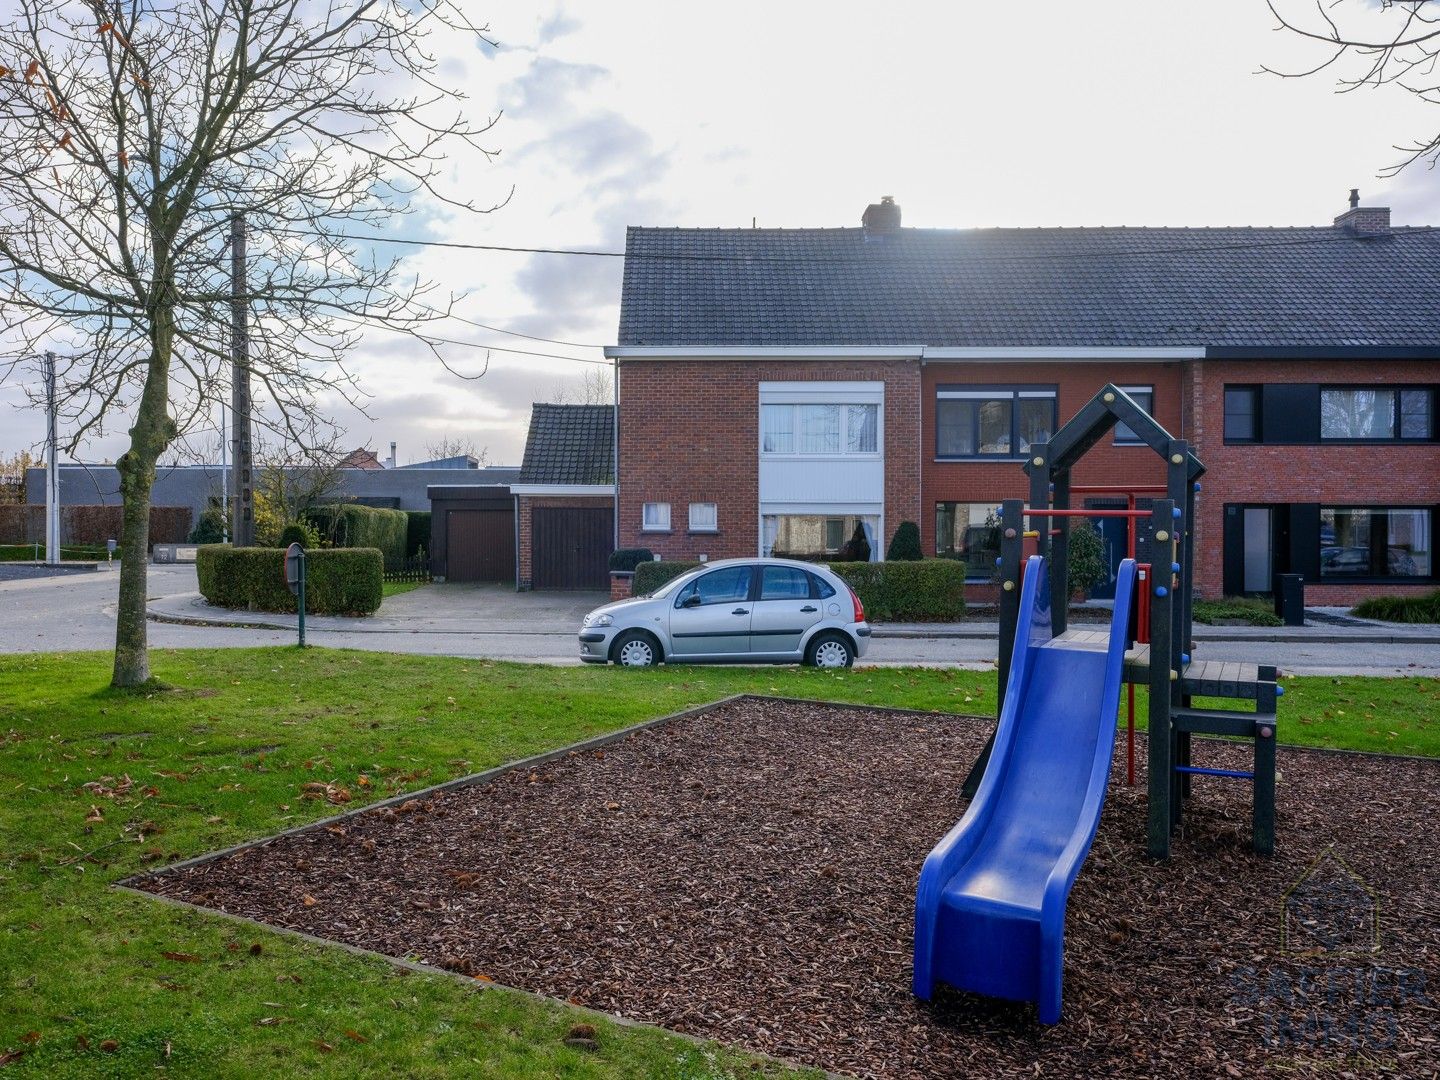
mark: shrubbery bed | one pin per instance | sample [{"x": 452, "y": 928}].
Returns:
[
  {"x": 1424, "y": 608},
  {"x": 338, "y": 581}
]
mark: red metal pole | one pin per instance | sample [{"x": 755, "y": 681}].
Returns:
[
  {"x": 1116, "y": 489},
  {"x": 1086, "y": 513}
]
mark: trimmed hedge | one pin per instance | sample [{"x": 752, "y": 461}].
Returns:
[
  {"x": 1424, "y": 608},
  {"x": 932, "y": 590},
  {"x": 630, "y": 558},
  {"x": 905, "y": 544},
  {"x": 338, "y": 581},
  {"x": 90, "y": 524},
  {"x": 417, "y": 532},
  {"x": 352, "y": 526}
]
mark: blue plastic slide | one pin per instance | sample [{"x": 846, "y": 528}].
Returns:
[{"x": 990, "y": 907}]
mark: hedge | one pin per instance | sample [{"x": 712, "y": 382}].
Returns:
[
  {"x": 90, "y": 524},
  {"x": 927, "y": 591},
  {"x": 338, "y": 581},
  {"x": 630, "y": 558},
  {"x": 1424, "y": 608},
  {"x": 417, "y": 532},
  {"x": 353, "y": 526}
]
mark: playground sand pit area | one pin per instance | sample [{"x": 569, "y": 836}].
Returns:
[{"x": 747, "y": 874}]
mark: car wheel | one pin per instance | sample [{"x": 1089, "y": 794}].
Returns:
[
  {"x": 831, "y": 651},
  {"x": 634, "y": 648}
]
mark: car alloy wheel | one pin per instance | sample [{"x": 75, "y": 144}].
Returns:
[
  {"x": 832, "y": 653},
  {"x": 635, "y": 651}
]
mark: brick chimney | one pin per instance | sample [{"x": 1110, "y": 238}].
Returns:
[
  {"x": 881, "y": 218},
  {"x": 1364, "y": 220}
]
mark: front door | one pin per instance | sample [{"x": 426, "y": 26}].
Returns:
[
  {"x": 788, "y": 605},
  {"x": 1114, "y": 541},
  {"x": 710, "y": 617},
  {"x": 1251, "y": 541}
]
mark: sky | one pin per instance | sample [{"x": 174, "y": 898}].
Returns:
[{"x": 790, "y": 114}]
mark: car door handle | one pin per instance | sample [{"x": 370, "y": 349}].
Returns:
[
  {"x": 740, "y": 611},
  {"x": 808, "y": 608}
]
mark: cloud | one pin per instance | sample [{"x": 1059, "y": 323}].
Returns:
[{"x": 548, "y": 89}]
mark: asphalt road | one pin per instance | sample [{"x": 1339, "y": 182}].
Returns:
[{"x": 77, "y": 611}]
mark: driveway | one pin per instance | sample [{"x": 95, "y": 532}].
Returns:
[{"x": 78, "y": 612}]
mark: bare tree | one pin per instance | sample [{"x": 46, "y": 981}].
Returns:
[
  {"x": 450, "y": 446},
  {"x": 1392, "y": 43},
  {"x": 593, "y": 386},
  {"x": 135, "y": 131},
  {"x": 289, "y": 485}
]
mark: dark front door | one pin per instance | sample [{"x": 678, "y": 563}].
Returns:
[
  {"x": 1114, "y": 541},
  {"x": 480, "y": 545},
  {"x": 1256, "y": 543},
  {"x": 570, "y": 546}
]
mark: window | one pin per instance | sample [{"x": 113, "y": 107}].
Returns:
[
  {"x": 817, "y": 537},
  {"x": 1375, "y": 542},
  {"x": 1372, "y": 413},
  {"x": 973, "y": 422},
  {"x": 1242, "y": 414},
  {"x": 784, "y": 583},
  {"x": 969, "y": 532},
  {"x": 703, "y": 517},
  {"x": 655, "y": 517},
  {"x": 1144, "y": 396},
  {"x": 819, "y": 430},
  {"x": 727, "y": 586}
]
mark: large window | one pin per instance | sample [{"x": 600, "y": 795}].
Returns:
[
  {"x": 818, "y": 537},
  {"x": 968, "y": 532},
  {"x": 1376, "y": 414},
  {"x": 1375, "y": 542},
  {"x": 819, "y": 430},
  {"x": 993, "y": 422},
  {"x": 1144, "y": 396},
  {"x": 1242, "y": 414}
]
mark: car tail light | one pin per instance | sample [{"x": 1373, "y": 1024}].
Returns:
[{"x": 859, "y": 607}]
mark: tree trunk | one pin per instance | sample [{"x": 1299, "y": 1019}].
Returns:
[{"x": 152, "y": 432}]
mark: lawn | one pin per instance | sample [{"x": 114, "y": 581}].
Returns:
[
  {"x": 102, "y": 784},
  {"x": 395, "y": 588}
]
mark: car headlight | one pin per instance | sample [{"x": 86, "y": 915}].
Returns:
[{"x": 602, "y": 620}]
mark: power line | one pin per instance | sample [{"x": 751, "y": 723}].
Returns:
[{"x": 420, "y": 335}]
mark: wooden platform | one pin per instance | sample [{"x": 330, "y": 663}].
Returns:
[{"x": 1204, "y": 678}]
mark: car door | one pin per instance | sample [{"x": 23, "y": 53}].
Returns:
[
  {"x": 785, "y": 608},
  {"x": 710, "y": 616}
]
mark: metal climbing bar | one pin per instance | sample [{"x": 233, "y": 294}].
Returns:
[
  {"x": 1196, "y": 770},
  {"x": 1028, "y": 512}
]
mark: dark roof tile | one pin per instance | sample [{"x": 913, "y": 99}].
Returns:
[{"x": 569, "y": 444}]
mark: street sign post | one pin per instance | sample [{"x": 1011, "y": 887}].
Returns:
[{"x": 295, "y": 580}]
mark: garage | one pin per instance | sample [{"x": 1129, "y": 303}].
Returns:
[
  {"x": 472, "y": 533},
  {"x": 572, "y": 546}
]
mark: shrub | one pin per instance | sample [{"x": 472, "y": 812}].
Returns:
[
  {"x": 210, "y": 527},
  {"x": 857, "y": 548},
  {"x": 925, "y": 591},
  {"x": 905, "y": 544},
  {"x": 417, "y": 532},
  {"x": 1424, "y": 608},
  {"x": 1085, "y": 558},
  {"x": 629, "y": 558},
  {"x": 338, "y": 581},
  {"x": 353, "y": 526},
  {"x": 298, "y": 532},
  {"x": 649, "y": 576},
  {"x": 1250, "y": 610}
]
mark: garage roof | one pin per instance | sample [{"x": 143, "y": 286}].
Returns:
[{"x": 569, "y": 444}]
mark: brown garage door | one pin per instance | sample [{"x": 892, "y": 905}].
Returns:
[
  {"x": 571, "y": 546},
  {"x": 480, "y": 545}
]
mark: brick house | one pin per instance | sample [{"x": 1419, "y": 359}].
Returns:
[{"x": 778, "y": 388}]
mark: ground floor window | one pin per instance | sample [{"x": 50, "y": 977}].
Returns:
[
  {"x": 1374, "y": 542},
  {"x": 969, "y": 532},
  {"x": 817, "y": 537}
]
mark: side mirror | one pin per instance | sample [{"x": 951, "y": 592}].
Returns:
[{"x": 693, "y": 600}]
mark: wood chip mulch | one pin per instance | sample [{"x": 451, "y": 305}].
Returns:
[{"x": 748, "y": 875}]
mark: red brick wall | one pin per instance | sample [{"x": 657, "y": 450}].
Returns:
[
  {"x": 523, "y": 525},
  {"x": 689, "y": 432},
  {"x": 1345, "y": 475},
  {"x": 991, "y": 481}
]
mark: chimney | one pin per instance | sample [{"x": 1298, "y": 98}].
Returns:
[
  {"x": 1364, "y": 220},
  {"x": 392, "y": 456},
  {"x": 881, "y": 218}
]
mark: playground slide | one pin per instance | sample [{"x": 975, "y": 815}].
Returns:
[{"x": 990, "y": 906}]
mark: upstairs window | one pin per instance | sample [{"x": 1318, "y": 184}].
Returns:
[
  {"x": 992, "y": 422},
  {"x": 819, "y": 430},
  {"x": 1242, "y": 414},
  {"x": 1144, "y": 396},
  {"x": 1376, "y": 413}
]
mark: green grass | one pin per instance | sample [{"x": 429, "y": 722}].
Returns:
[
  {"x": 222, "y": 758},
  {"x": 68, "y": 553},
  {"x": 1251, "y": 610},
  {"x": 395, "y": 588}
]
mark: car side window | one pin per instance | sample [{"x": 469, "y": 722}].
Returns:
[
  {"x": 784, "y": 583},
  {"x": 824, "y": 589},
  {"x": 726, "y": 586}
]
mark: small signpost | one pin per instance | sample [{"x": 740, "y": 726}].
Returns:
[{"x": 295, "y": 581}]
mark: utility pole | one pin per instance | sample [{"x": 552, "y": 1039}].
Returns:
[
  {"x": 52, "y": 468},
  {"x": 243, "y": 530}
]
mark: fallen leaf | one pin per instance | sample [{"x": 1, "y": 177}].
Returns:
[
  {"x": 323, "y": 1046},
  {"x": 256, "y": 949},
  {"x": 356, "y": 1036},
  {"x": 82, "y": 1043},
  {"x": 110, "y": 1045},
  {"x": 308, "y": 900},
  {"x": 31, "y": 1037},
  {"x": 9, "y": 1057},
  {"x": 182, "y": 957}
]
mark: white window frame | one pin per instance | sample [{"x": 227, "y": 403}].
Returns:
[
  {"x": 646, "y": 525},
  {"x": 796, "y": 395},
  {"x": 710, "y": 526}
]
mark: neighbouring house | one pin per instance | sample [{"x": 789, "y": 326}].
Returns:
[
  {"x": 778, "y": 388},
  {"x": 361, "y": 458}
]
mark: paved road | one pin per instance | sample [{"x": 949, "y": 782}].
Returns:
[{"x": 78, "y": 611}]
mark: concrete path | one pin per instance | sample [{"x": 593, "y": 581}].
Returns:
[{"x": 78, "y": 612}]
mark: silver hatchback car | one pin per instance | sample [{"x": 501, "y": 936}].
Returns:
[{"x": 758, "y": 611}]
